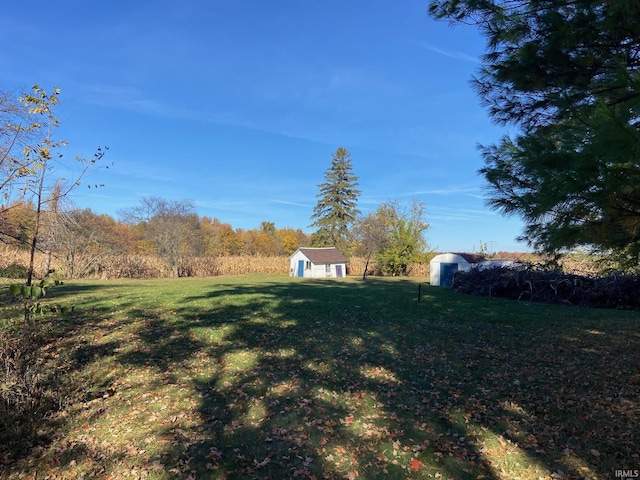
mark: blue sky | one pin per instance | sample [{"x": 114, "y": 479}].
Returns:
[{"x": 239, "y": 105}]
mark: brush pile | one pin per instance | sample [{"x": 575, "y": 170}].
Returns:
[{"x": 529, "y": 282}]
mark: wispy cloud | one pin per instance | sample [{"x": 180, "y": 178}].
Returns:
[
  {"x": 460, "y": 212},
  {"x": 452, "y": 190},
  {"x": 131, "y": 99},
  {"x": 295, "y": 204},
  {"x": 478, "y": 196},
  {"x": 449, "y": 53},
  {"x": 134, "y": 100}
]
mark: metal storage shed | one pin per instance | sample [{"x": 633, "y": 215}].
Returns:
[
  {"x": 317, "y": 263},
  {"x": 442, "y": 267}
]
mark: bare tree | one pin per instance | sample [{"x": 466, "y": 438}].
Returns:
[
  {"x": 172, "y": 226},
  {"x": 32, "y": 176},
  {"x": 84, "y": 239},
  {"x": 45, "y": 159},
  {"x": 372, "y": 233},
  {"x": 17, "y": 131}
]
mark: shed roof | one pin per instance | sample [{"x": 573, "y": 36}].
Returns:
[
  {"x": 472, "y": 257},
  {"x": 455, "y": 257},
  {"x": 324, "y": 255}
]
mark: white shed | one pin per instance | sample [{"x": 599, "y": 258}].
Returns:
[
  {"x": 442, "y": 267},
  {"x": 317, "y": 263}
]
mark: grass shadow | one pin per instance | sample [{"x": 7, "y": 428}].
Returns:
[{"x": 278, "y": 378}]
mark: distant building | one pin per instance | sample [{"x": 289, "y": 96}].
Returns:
[
  {"x": 317, "y": 263},
  {"x": 444, "y": 266}
]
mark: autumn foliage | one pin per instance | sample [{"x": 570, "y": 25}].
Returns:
[{"x": 151, "y": 266}]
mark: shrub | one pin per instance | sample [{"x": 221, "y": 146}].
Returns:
[
  {"x": 26, "y": 394},
  {"x": 14, "y": 271}
]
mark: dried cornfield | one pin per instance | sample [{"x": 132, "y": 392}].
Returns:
[
  {"x": 146, "y": 266},
  {"x": 12, "y": 256},
  {"x": 356, "y": 267},
  {"x": 232, "y": 265}
]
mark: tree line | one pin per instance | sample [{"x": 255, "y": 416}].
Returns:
[
  {"x": 171, "y": 229},
  {"x": 564, "y": 75},
  {"x": 37, "y": 215},
  {"x": 157, "y": 226}
]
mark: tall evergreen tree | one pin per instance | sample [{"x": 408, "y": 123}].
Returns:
[
  {"x": 336, "y": 209},
  {"x": 566, "y": 74}
]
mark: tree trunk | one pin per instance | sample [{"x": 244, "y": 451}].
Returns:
[
  {"x": 36, "y": 227},
  {"x": 47, "y": 263},
  {"x": 366, "y": 267}
]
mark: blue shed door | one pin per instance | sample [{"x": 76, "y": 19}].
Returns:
[
  {"x": 301, "y": 268},
  {"x": 446, "y": 273},
  {"x": 339, "y": 271}
]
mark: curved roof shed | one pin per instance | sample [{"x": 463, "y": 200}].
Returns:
[{"x": 442, "y": 267}]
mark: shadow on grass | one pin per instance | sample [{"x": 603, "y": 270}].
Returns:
[{"x": 330, "y": 379}]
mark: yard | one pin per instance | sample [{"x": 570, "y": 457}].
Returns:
[{"x": 271, "y": 377}]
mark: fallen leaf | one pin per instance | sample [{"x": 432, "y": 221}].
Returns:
[{"x": 347, "y": 420}]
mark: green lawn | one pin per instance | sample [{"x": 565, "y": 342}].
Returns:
[{"x": 275, "y": 377}]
